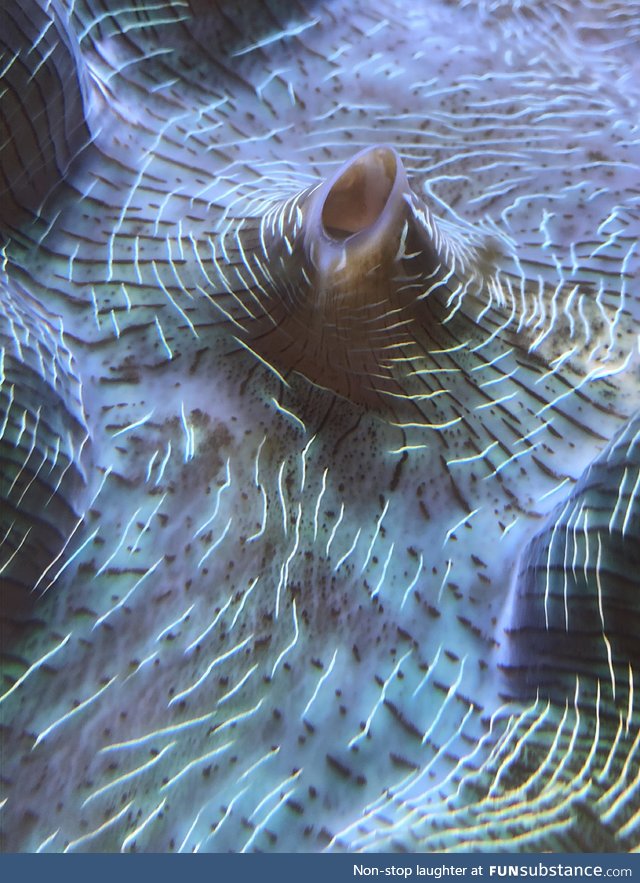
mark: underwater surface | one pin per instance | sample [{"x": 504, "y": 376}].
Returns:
[{"x": 319, "y": 433}]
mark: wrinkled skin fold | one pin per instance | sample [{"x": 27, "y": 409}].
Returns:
[{"x": 319, "y": 426}]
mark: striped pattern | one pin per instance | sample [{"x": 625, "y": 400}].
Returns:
[
  {"x": 574, "y": 600},
  {"x": 319, "y": 541},
  {"x": 42, "y": 438}
]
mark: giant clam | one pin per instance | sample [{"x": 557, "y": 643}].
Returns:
[{"x": 319, "y": 425}]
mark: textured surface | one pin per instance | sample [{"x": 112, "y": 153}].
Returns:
[{"x": 320, "y": 468}]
